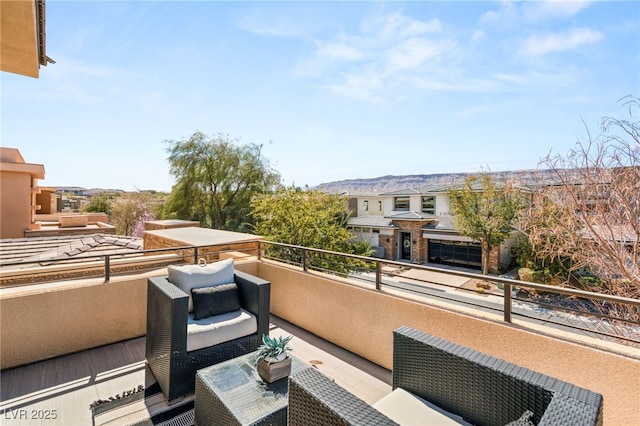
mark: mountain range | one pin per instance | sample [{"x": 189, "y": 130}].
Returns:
[{"x": 391, "y": 183}]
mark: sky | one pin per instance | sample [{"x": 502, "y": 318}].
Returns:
[{"x": 332, "y": 90}]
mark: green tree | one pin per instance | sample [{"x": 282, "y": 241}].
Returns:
[
  {"x": 485, "y": 211},
  {"x": 215, "y": 181},
  {"x": 100, "y": 203},
  {"x": 307, "y": 218}
]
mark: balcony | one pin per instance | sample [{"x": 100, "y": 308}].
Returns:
[
  {"x": 64, "y": 387},
  {"x": 68, "y": 343}
]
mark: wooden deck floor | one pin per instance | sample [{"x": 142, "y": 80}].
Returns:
[{"x": 59, "y": 391}]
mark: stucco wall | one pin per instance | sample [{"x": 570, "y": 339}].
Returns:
[
  {"x": 18, "y": 189},
  {"x": 372, "y": 208},
  {"x": 19, "y": 38},
  {"x": 362, "y": 321},
  {"x": 46, "y": 199},
  {"x": 62, "y": 318},
  {"x": 15, "y": 189},
  {"x": 39, "y": 324}
]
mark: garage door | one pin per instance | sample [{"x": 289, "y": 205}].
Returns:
[{"x": 457, "y": 253}]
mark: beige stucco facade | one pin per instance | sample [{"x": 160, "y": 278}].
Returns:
[
  {"x": 18, "y": 190},
  {"x": 47, "y": 200},
  {"x": 22, "y": 37},
  {"x": 369, "y": 205}
]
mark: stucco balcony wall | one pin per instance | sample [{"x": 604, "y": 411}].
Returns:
[
  {"x": 362, "y": 320},
  {"x": 56, "y": 319},
  {"x": 48, "y": 320}
]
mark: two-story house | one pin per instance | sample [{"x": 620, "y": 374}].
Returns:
[{"x": 416, "y": 226}]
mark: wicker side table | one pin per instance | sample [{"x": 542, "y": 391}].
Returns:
[{"x": 232, "y": 393}]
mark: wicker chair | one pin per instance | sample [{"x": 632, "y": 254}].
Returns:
[
  {"x": 314, "y": 399},
  {"x": 166, "y": 343},
  {"x": 482, "y": 389}
]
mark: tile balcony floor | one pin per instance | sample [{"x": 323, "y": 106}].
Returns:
[{"x": 70, "y": 383}]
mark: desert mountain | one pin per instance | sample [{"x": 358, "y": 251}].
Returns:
[{"x": 394, "y": 183}]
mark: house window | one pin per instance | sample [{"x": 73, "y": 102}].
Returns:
[
  {"x": 366, "y": 205},
  {"x": 429, "y": 205},
  {"x": 379, "y": 206},
  {"x": 401, "y": 203}
]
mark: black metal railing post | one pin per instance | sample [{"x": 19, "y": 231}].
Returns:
[
  {"x": 195, "y": 255},
  {"x": 378, "y": 276},
  {"x": 107, "y": 268},
  {"x": 305, "y": 260},
  {"x": 507, "y": 302}
]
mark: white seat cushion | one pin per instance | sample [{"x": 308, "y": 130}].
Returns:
[
  {"x": 187, "y": 277},
  {"x": 407, "y": 409},
  {"x": 216, "y": 329}
]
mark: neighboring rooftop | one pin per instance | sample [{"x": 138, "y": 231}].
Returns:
[
  {"x": 12, "y": 161},
  {"x": 202, "y": 236},
  {"x": 46, "y": 249},
  {"x": 372, "y": 221},
  {"x": 412, "y": 216},
  {"x": 81, "y": 191}
]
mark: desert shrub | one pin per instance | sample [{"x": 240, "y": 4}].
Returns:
[{"x": 526, "y": 274}]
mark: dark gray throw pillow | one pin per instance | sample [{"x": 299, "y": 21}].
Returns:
[{"x": 216, "y": 300}]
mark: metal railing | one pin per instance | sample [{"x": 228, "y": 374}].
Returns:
[
  {"x": 371, "y": 272},
  {"x": 103, "y": 265},
  {"x": 387, "y": 276}
]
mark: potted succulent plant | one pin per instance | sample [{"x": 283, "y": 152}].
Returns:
[{"x": 272, "y": 362}]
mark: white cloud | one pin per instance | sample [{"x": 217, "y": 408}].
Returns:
[
  {"x": 276, "y": 26},
  {"x": 339, "y": 51},
  {"x": 477, "y": 35},
  {"x": 386, "y": 51},
  {"x": 511, "y": 14},
  {"x": 541, "y": 44},
  {"x": 413, "y": 53},
  {"x": 507, "y": 13},
  {"x": 536, "y": 78},
  {"x": 363, "y": 85},
  {"x": 388, "y": 57},
  {"x": 541, "y": 10},
  {"x": 399, "y": 26},
  {"x": 459, "y": 83}
]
